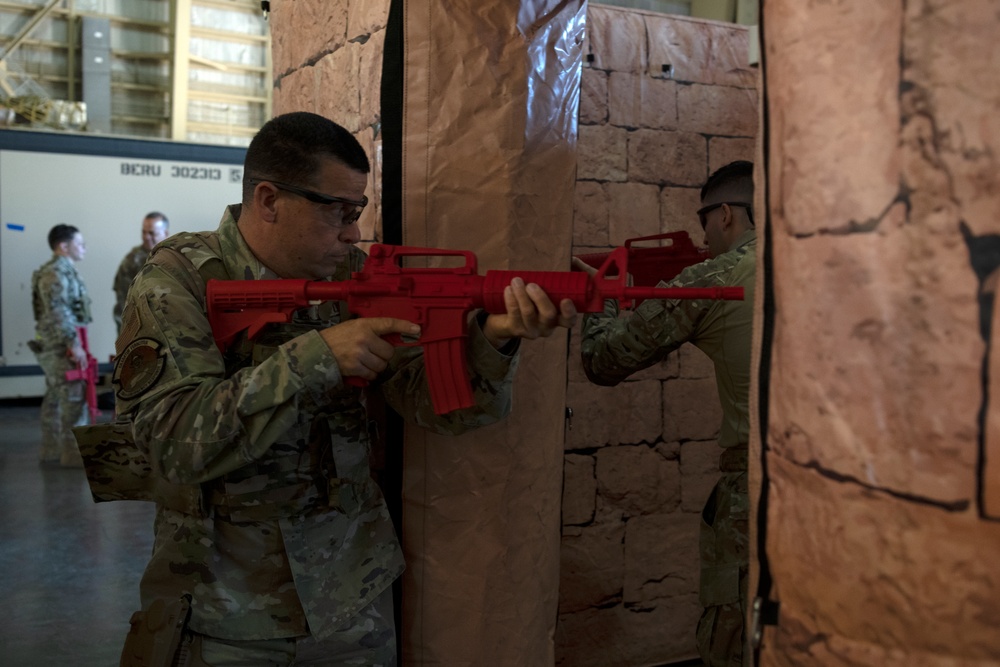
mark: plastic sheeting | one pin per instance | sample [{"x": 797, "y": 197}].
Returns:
[{"x": 489, "y": 162}]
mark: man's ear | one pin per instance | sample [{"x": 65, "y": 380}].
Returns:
[
  {"x": 728, "y": 217},
  {"x": 265, "y": 199}
]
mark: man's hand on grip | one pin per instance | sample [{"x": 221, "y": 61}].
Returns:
[{"x": 359, "y": 348}]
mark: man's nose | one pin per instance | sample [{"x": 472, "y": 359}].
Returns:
[{"x": 350, "y": 233}]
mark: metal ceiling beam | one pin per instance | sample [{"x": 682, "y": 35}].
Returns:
[
  {"x": 180, "y": 70},
  {"x": 28, "y": 27}
]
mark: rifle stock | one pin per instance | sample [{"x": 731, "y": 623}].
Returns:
[{"x": 437, "y": 299}]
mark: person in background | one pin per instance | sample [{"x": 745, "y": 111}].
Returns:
[
  {"x": 155, "y": 228},
  {"x": 288, "y": 555},
  {"x": 614, "y": 348},
  {"x": 61, "y": 308}
]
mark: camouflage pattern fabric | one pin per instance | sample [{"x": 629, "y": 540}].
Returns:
[
  {"x": 369, "y": 640},
  {"x": 724, "y": 547},
  {"x": 127, "y": 271},
  {"x": 61, "y": 304},
  {"x": 296, "y": 538},
  {"x": 117, "y": 470},
  {"x": 613, "y": 348}
]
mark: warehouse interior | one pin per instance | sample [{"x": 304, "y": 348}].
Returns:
[
  {"x": 184, "y": 70},
  {"x": 201, "y": 72},
  {"x": 875, "y": 484}
]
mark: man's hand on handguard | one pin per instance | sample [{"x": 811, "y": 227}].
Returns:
[
  {"x": 530, "y": 314},
  {"x": 359, "y": 348},
  {"x": 591, "y": 271},
  {"x": 581, "y": 265}
]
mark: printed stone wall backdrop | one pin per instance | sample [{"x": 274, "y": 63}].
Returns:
[
  {"x": 665, "y": 100},
  {"x": 481, "y": 511},
  {"x": 883, "y": 144},
  {"x": 327, "y": 59}
]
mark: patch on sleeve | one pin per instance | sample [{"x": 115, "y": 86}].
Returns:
[
  {"x": 130, "y": 327},
  {"x": 651, "y": 309},
  {"x": 138, "y": 367}
]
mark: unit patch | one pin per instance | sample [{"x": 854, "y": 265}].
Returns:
[
  {"x": 130, "y": 326},
  {"x": 138, "y": 367}
]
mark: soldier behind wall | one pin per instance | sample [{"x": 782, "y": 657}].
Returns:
[{"x": 613, "y": 348}]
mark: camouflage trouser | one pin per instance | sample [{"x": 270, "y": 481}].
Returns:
[
  {"x": 369, "y": 639},
  {"x": 62, "y": 409},
  {"x": 724, "y": 566}
]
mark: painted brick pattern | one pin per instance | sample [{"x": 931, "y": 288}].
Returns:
[
  {"x": 327, "y": 58},
  {"x": 664, "y": 101}
]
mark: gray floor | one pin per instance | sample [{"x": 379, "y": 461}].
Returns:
[{"x": 69, "y": 568}]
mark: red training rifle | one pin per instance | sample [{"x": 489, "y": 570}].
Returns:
[
  {"x": 88, "y": 375},
  {"x": 651, "y": 264},
  {"x": 437, "y": 299}
]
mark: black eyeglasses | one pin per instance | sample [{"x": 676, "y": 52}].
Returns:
[
  {"x": 705, "y": 210},
  {"x": 351, "y": 215}
]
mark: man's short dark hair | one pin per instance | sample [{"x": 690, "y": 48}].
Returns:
[
  {"x": 156, "y": 215},
  {"x": 288, "y": 148},
  {"x": 61, "y": 233},
  {"x": 736, "y": 178}
]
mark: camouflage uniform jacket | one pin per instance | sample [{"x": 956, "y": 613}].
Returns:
[
  {"x": 296, "y": 537},
  {"x": 127, "y": 270},
  {"x": 60, "y": 303},
  {"x": 613, "y": 348}
]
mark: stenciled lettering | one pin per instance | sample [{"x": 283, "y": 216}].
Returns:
[
  {"x": 140, "y": 169},
  {"x": 196, "y": 172}
]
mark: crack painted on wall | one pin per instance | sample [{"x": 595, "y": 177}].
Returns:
[
  {"x": 954, "y": 506},
  {"x": 984, "y": 258},
  {"x": 867, "y": 226}
]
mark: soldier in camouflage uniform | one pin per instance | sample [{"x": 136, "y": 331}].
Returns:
[
  {"x": 287, "y": 552},
  {"x": 155, "y": 228},
  {"x": 61, "y": 305},
  {"x": 613, "y": 348}
]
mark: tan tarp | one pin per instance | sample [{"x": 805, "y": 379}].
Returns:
[{"x": 489, "y": 141}]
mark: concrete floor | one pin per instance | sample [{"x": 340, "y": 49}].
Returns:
[{"x": 69, "y": 568}]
